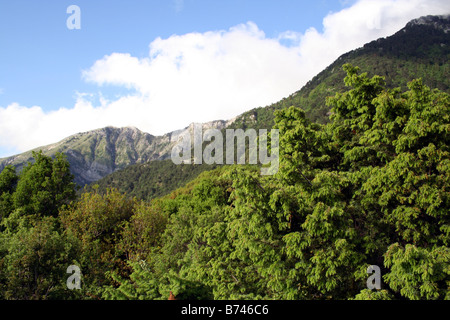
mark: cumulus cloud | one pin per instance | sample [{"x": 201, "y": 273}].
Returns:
[
  {"x": 203, "y": 77},
  {"x": 199, "y": 77}
]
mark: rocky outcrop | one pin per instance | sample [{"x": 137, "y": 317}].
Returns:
[{"x": 437, "y": 22}]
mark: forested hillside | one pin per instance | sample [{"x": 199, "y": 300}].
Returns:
[
  {"x": 150, "y": 180},
  {"x": 420, "y": 50},
  {"x": 369, "y": 187}
]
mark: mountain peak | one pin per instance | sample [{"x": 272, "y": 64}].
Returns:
[
  {"x": 441, "y": 22},
  {"x": 112, "y": 128}
]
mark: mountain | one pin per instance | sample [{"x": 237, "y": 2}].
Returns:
[
  {"x": 420, "y": 49},
  {"x": 95, "y": 154}
]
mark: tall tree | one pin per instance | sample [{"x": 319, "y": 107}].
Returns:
[
  {"x": 8, "y": 183},
  {"x": 44, "y": 186}
]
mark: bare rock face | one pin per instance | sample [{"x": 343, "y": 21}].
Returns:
[{"x": 437, "y": 22}]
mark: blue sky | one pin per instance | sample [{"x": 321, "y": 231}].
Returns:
[
  {"x": 162, "y": 64},
  {"x": 42, "y": 59}
]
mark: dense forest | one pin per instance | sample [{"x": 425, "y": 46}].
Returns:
[
  {"x": 150, "y": 180},
  {"x": 368, "y": 187}
]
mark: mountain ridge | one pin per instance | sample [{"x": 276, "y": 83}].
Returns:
[
  {"x": 96, "y": 153},
  {"x": 375, "y": 57},
  {"x": 437, "y": 21},
  {"x": 420, "y": 49}
]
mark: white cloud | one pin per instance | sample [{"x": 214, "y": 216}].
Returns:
[
  {"x": 198, "y": 77},
  {"x": 203, "y": 77}
]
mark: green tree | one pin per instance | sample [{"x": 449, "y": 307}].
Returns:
[
  {"x": 34, "y": 251},
  {"x": 35, "y": 262},
  {"x": 8, "y": 183},
  {"x": 417, "y": 272},
  {"x": 44, "y": 186},
  {"x": 97, "y": 222},
  {"x": 368, "y": 188}
]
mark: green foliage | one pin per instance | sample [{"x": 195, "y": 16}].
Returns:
[
  {"x": 38, "y": 191},
  {"x": 35, "y": 262},
  {"x": 44, "y": 186},
  {"x": 419, "y": 273},
  {"x": 8, "y": 182},
  {"x": 367, "y": 294},
  {"x": 143, "y": 231},
  {"x": 142, "y": 285},
  {"x": 96, "y": 222},
  {"x": 367, "y": 188},
  {"x": 34, "y": 251},
  {"x": 150, "y": 180}
]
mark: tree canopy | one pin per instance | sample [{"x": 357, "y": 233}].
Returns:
[{"x": 368, "y": 188}]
